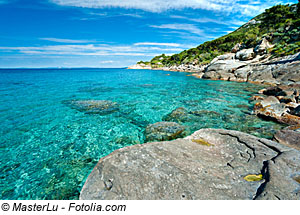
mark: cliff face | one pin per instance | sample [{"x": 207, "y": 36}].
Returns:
[{"x": 209, "y": 164}]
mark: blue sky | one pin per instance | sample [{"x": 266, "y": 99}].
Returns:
[{"x": 113, "y": 33}]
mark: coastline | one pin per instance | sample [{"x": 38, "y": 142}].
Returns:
[
  {"x": 281, "y": 77},
  {"x": 279, "y": 102}
]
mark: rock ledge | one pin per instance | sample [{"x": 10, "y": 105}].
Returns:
[{"x": 209, "y": 164}]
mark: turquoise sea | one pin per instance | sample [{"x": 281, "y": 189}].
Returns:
[{"x": 48, "y": 149}]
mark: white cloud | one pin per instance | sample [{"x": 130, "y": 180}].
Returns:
[
  {"x": 106, "y": 15},
  {"x": 200, "y": 20},
  {"x": 152, "y": 6},
  {"x": 106, "y": 62},
  {"x": 58, "y": 40},
  {"x": 93, "y": 50},
  {"x": 210, "y": 20},
  {"x": 183, "y": 27},
  {"x": 157, "y": 44},
  {"x": 243, "y": 7}
]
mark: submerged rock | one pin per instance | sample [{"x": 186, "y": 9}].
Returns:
[
  {"x": 210, "y": 164},
  {"x": 177, "y": 115},
  {"x": 161, "y": 131},
  {"x": 101, "y": 107}
]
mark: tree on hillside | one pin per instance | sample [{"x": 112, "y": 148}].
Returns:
[{"x": 298, "y": 7}]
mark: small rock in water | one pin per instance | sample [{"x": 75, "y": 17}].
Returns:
[{"x": 101, "y": 107}]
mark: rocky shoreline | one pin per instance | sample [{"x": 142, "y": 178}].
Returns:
[
  {"x": 215, "y": 163},
  {"x": 280, "y": 102},
  {"x": 253, "y": 65}
]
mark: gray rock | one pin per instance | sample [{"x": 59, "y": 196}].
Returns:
[
  {"x": 262, "y": 74},
  {"x": 210, "y": 164},
  {"x": 236, "y": 48},
  {"x": 245, "y": 54},
  {"x": 211, "y": 75},
  {"x": 226, "y": 76},
  {"x": 243, "y": 73},
  {"x": 161, "y": 131},
  {"x": 225, "y": 65},
  {"x": 288, "y": 137},
  {"x": 229, "y": 56},
  {"x": 270, "y": 100},
  {"x": 263, "y": 46},
  {"x": 248, "y": 65},
  {"x": 101, "y": 107},
  {"x": 252, "y": 22},
  {"x": 271, "y": 109},
  {"x": 286, "y": 72}
]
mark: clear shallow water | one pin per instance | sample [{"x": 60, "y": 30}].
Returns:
[{"x": 48, "y": 149}]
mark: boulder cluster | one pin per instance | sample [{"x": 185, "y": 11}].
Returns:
[
  {"x": 254, "y": 65},
  {"x": 281, "y": 104}
]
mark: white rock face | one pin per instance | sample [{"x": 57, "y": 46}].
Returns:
[
  {"x": 225, "y": 65},
  {"x": 245, "y": 54}
]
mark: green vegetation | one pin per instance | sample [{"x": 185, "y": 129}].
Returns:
[{"x": 279, "y": 24}]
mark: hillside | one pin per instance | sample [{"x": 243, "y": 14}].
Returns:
[{"x": 280, "y": 25}]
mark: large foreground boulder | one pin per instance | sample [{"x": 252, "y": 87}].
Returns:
[{"x": 210, "y": 164}]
